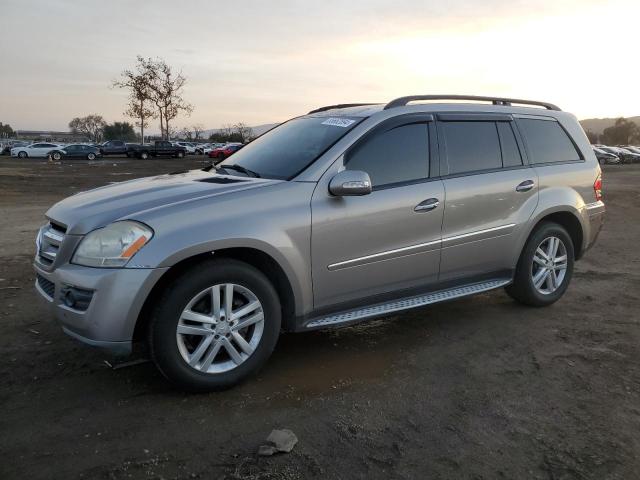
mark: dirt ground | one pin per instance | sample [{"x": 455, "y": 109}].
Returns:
[{"x": 480, "y": 388}]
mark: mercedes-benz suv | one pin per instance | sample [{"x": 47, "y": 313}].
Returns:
[{"x": 344, "y": 214}]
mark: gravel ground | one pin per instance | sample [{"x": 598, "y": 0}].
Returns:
[{"x": 480, "y": 388}]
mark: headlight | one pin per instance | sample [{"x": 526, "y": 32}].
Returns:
[{"x": 113, "y": 245}]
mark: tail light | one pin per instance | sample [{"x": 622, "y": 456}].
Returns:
[{"x": 597, "y": 187}]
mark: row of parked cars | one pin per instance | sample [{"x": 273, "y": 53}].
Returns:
[
  {"x": 57, "y": 151},
  {"x": 616, "y": 155},
  {"x": 212, "y": 150}
]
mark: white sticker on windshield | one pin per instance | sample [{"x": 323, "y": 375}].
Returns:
[{"x": 338, "y": 122}]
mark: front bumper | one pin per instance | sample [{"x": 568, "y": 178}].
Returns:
[{"x": 112, "y": 302}]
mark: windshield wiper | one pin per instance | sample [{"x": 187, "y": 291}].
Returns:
[{"x": 239, "y": 168}]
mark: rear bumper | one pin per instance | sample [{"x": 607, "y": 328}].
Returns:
[
  {"x": 593, "y": 213},
  {"x": 111, "y": 300}
]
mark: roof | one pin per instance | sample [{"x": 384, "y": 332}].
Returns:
[{"x": 438, "y": 102}]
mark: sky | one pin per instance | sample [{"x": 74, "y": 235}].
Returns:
[{"x": 263, "y": 62}]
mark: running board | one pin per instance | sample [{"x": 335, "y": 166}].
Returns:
[{"x": 405, "y": 304}]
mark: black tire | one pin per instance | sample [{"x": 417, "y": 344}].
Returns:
[
  {"x": 180, "y": 154},
  {"x": 162, "y": 329},
  {"x": 22, "y": 155},
  {"x": 144, "y": 155},
  {"x": 57, "y": 156},
  {"x": 91, "y": 156},
  {"x": 522, "y": 289}
]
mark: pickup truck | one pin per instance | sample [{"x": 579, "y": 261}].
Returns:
[
  {"x": 157, "y": 149},
  {"x": 114, "y": 147}
]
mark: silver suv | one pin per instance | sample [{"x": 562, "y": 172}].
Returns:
[{"x": 344, "y": 214}]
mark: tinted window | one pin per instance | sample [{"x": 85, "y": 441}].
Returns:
[
  {"x": 37, "y": 145},
  {"x": 397, "y": 155},
  {"x": 510, "y": 152},
  {"x": 287, "y": 149},
  {"x": 472, "y": 146},
  {"x": 547, "y": 141}
]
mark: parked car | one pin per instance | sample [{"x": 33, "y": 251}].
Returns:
[
  {"x": 205, "y": 148},
  {"x": 6, "y": 148},
  {"x": 157, "y": 149},
  {"x": 189, "y": 148},
  {"x": 631, "y": 148},
  {"x": 605, "y": 157},
  {"x": 114, "y": 147},
  {"x": 626, "y": 156},
  {"x": 225, "y": 151},
  {"x": 338, "y": 216},
  {"x": 36, "y": 150},
  {"x": 75, "y": 151}
]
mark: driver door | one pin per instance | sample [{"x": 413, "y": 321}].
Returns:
[{"x": 386, "y": 243}]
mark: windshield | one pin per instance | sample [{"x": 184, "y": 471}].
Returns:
[{"x": 286, "y": 150}]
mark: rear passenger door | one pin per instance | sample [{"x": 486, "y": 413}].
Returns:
[{"x": 490, "y": 192}]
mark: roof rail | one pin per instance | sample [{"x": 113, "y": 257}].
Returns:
[
  {"x": 402, "y": 101},
  {"x": 340, "y": 105}
]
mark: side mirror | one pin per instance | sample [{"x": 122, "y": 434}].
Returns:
[{"x": 350, "y": 183}]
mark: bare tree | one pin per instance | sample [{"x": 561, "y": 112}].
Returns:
[
  {"x": 92, "y": 126},
  {"x": 165, "y": 90},
  {"x": 226, "y": 130},
  {"x": 244, "y": 131},
  {"x": 198, "y": 128},
  {"x": 185, "y": 132},
  {"x": 138, "y": 83}
]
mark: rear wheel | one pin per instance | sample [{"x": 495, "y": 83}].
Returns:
[
  {"x": 180, "y": 154},
  {"x": 144, "y": 155},
  {"x": 215, "y": 325},
  {"x": 91, "y": 156},
  {"x": 57, "y": 156},
  {"x": 545, "y": 267}
]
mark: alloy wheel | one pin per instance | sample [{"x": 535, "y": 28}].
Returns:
[
  {"x": 549, "y": 266},
  {"x": 220, "y": 328}
]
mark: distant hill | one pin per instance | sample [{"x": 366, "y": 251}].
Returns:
[{"x": 597, "y": 125}]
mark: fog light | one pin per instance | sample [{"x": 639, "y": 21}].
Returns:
[{"x": 76, "y": 298}]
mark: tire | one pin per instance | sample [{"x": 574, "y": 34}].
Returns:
[
  {"x": 171, "y": 350},
  {"x": 180, "y": 154},
  {"x": 144, "y": 155},
  {"x": 57, "y": 156},
  {"x": 22, "y": 155},
  {"x": 523, "y": 288},
  {"x": 91, "y": 156}
]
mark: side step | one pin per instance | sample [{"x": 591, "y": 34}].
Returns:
[{"x": 405, "y": 304}]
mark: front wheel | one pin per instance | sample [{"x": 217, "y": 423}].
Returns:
[
  {"x": 215, "y": 325},
  {"x": 545, "y": 267},
  {"x": 91, "y": 156},
  {"x": 144, "y": 155},
  {"x": 22, "y": 155},
  {"x": 180, "y": 154}
]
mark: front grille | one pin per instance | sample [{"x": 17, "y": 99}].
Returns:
[
  {"x": 47, "y": 286},
  {"x": 51, "y": 237}
]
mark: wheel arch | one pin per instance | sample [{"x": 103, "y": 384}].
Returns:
[
  {"x": 567, "y": 218},
  {"x": 252, "y": 256}
]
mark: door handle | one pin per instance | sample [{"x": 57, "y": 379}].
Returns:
[
  {"x": 525, "y": 186},
  {"x": 427, "y": 205}
]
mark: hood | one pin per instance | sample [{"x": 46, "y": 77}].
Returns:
[{"x": 86, "y": 211}]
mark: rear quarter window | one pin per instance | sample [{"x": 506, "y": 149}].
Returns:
[{"x": 547, "y": 141}]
